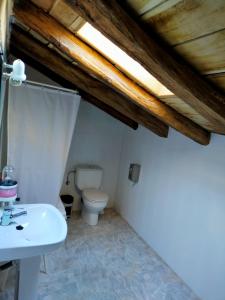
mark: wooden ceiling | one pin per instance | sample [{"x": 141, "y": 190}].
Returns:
[{"x": 192, "y": 29}]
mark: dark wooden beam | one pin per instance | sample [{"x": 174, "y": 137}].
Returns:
[
  {"x": 66, "y": 84},
  {"x": 111, "y": 111},
  {"x": 94, "y": 63},
  {"x": 169, "y": 68},
  {"x": 44, "y": 56}
]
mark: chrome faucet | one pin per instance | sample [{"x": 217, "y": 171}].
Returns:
[{"x": 7, "y": 216}]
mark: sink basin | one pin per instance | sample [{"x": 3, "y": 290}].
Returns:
[{"x": 44, "y": 229}]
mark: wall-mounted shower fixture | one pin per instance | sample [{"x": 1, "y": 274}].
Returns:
[{"x": 17, "y": 76}]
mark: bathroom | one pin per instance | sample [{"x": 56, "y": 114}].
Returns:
[{"x": 145, "y": 219}]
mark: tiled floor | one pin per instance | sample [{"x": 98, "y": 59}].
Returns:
[{"x": 107, "y": 262}]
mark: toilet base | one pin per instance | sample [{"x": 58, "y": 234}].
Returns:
[{"x": 88, "y": 217}]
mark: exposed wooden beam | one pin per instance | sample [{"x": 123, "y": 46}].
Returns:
[
  {"x": 94, "y": 63},
  {"x": 84, "y": 82},
  {"x": 169, "y": 68},
  {"x": 66, "y": 84}
]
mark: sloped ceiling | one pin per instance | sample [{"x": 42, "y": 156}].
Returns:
[{"x": 194, "y": 29}]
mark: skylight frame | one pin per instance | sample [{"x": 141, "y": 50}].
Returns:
[{"x": 122, "y": 61}]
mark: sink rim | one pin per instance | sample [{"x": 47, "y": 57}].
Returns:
[{"x": 13, "y": 252}]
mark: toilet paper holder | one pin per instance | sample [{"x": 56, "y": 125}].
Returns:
[{"x": 134, "y": 172}]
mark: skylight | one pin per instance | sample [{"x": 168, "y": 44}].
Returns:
[{"x": 123, "y": 61}]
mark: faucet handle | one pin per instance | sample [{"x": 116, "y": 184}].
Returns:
[{"x": 24, "y": 212}]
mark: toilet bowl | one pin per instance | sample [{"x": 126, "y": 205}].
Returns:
[
  {"x": 94, "y": 201},
  {"x": 88, "y": 179}
]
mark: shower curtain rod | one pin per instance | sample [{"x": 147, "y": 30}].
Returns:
[{"x": 49, "y": 86}]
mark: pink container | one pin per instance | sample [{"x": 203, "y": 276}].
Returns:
[{"x": 8, "y": 191}]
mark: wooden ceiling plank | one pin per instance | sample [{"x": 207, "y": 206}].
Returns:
[
  {"x": 163, "y": 7},
  {"x": 143, "y": 6},
  {"x": 218, "y": 79},
  {"x": 206, "y": 53},
  {"x": 77, "y": 24},
  {"x": 96, "y": 64},
  {"x": 182, "y": 107},
  {"x": 44, "y": 56},
  {"x": 169, "y": 68},
  {"x": 179, "y": 21},
  {"x": 46, "y": 5},
  {"x": 63, "y": 13}
]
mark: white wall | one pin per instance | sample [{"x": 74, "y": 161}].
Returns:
[
  {"x": 97, "y": 140},
  {"x": 178, "y": 206},
  {"x": 34, "y": 75}
]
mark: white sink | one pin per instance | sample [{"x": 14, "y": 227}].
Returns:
[{"x": 44, "y": 229}]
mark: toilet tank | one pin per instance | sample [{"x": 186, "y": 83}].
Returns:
[{"x": 88, "y": 177}]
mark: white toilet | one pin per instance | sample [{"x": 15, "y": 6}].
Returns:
[{"x": 88, "y": 181}]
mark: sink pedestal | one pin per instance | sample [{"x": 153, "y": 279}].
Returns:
[{"x": 29, "y": 269}]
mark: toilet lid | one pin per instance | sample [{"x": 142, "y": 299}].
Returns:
[{"x": 95, "y": 195}]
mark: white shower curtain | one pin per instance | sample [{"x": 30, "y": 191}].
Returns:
[{"x": 40, "y": 127}]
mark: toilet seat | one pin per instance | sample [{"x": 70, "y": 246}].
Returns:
[{"x": 94, "y": 195}]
